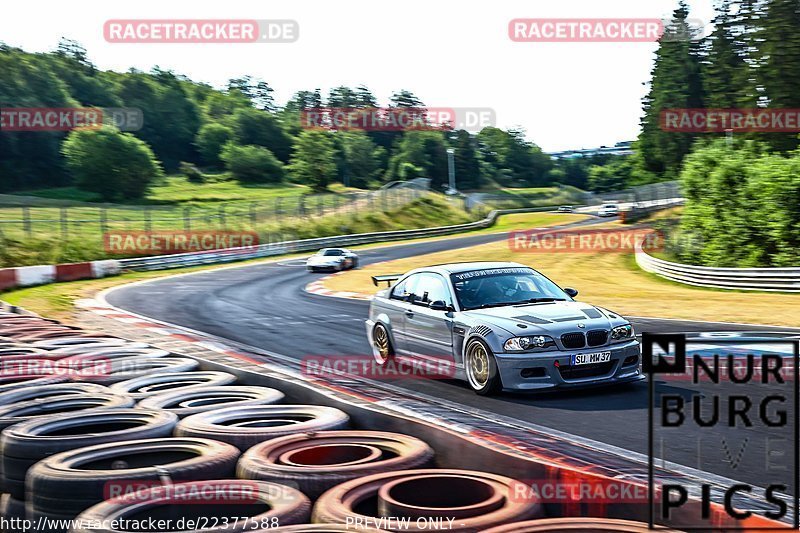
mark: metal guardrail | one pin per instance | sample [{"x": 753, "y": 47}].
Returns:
[
  {"x": 162, "y": 262},
  {"x": 746, "y": 279}
]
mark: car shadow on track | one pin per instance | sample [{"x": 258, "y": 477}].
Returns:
[{"x": 629, "y": 396}]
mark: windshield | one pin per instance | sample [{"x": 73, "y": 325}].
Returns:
[
  {"x": 333, "y": 252},
  {"x": 503, "y": 286}
]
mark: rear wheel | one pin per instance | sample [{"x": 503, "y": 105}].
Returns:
[
  {"x": 481, "y": 368},
  {"x": 383, "y": 344}
]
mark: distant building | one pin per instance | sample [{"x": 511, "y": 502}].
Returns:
[{"x": 621, "y": 148}]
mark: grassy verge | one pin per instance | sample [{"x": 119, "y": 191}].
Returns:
[
  {"x": 84, "y": 242},
  {"x": 610, "y": 280}
]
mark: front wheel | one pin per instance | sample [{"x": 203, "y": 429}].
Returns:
[
  {"x": 383, "y": 345},
  {"x": 481, "y": 368}
]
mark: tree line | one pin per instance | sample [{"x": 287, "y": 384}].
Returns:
[
  {"x": 743, "y": 191},
  {"x": 196, "y": 129}
]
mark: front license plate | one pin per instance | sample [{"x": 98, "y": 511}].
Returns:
[{"x": 589, "y": 358}]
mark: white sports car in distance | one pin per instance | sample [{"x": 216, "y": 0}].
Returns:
[{"x": 335, "y": 259}]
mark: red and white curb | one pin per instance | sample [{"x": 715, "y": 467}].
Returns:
[
  {"x": 318, "y": 287},
  {"x": 44, "y": 274}
]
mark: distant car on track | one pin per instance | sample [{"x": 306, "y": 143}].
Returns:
[
  {"x": 503, "y": 326},
  {"x": 566, "y": 209},
  {"x": 608, "y": 210},
  {"x": 335, "y": 259}
]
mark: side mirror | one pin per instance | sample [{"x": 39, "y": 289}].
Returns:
[
  {"x": 572, "y": 293},
  {"x": 439, "y": 305}
]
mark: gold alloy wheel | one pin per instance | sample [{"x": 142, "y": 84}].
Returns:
[
  {"x": 477, "y": 365},
  {"x": 382, "y": 342}
]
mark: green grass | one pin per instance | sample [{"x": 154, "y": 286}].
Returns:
[
  {"x": 83, "y": 236},
  {"x": 534, "y": 196},
  {"x": 177, "y": 191}
]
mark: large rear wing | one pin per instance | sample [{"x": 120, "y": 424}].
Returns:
[{"x": 388, "y": 279}]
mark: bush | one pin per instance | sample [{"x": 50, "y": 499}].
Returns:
[
  {"x": 210, "y": 141},
  {"x": 742, "y": 205},
  {"x": 115, "y": 165},
  {"x": 252, "y": 164}
]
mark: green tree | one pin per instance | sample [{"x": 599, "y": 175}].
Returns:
[
  {"x": 210, "y": 140},
  {"x": 314, "y": 159},
  {"x": 421, "y": 154},
  {"x": 256, "y": 127},
  {"x": 613, "y": 176},
  {"x": 779, "y": 71},
  {"x": 466, "y": 160},
  {"x": 361, "y": 161},
  {"x": 511, "y": 160},
  {"x": 252, "y": 164},
  {"x": 115, "y": 165},
  {"x": 257, "y": 91},
  {"x": 675, "y": 83}
]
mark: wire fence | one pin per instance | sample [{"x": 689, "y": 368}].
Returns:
[{"x": 71, "y": 220}]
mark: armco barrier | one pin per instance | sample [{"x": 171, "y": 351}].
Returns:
[
  {"x": 43, "y": 274},
  {"x": 746, "y": 279},
  {"x": 279, "y": 248}
]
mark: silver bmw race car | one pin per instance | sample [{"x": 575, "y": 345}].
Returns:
[{"x": 502, "y": 326}]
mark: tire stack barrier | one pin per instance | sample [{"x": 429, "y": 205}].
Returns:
[{"x": 92, "y": 452}]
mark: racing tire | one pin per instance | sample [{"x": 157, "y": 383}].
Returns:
[
  {"x": 24, "y": 444},
  {"x": 315, "y": 462},
  {"x": 475, "y": 500},
  {"x": 22, "y": 394},
  {"x": 186, "y": 402},
  {"x": 245, "y": 427},
  {"x": 79, "y": 353},
  {"x": 480, "y": 368},
  {"x": 27, "y": 410},
  {"x": 9, "y": 383},
  {"x": 271, "y": 504},
  {"x": 108, "y": 347},
  {"x": 70, "y": 482},
  {"x": 383, "y": 349},
  {"x": 21, "y": 350},
  {"x": 84, "y": 342},
  {"x": 11, "y": 508},
  {"x": 125, "y": 369},
  {"x": 576, "y": 525},
  {"x": 150, "y": 385}
]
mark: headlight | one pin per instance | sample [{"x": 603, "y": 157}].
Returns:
[
  {"x": 518, "y": 344},
  {"x": 622, "y": 332}
]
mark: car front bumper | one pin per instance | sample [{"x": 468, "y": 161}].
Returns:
[{"x": 539, "y": 371}]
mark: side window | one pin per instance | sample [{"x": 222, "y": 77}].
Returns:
[
  {"x": 402, "y": 290},
  {"x": 431, "y": 288}
]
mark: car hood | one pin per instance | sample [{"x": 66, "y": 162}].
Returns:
[
  {"x": 323, "y": 259},
  {"x": 547, "y": 317}
]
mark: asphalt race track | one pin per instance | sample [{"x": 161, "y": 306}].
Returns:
[{"x": 266, "y": 306}]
